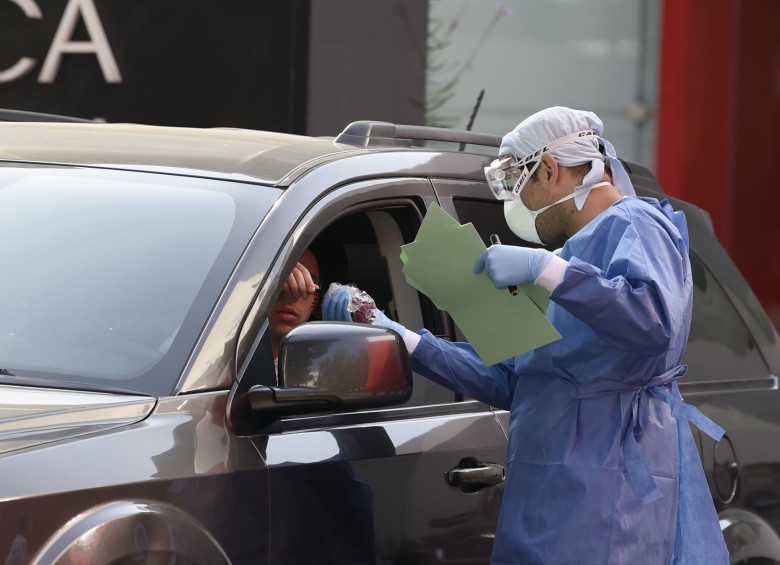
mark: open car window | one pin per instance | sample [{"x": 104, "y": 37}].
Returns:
[{"x": 362, "y": 249}]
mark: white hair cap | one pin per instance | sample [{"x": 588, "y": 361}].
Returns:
[{"x": 544, "y": 127}]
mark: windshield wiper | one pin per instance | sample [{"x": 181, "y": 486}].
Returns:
[{"x": 6, "y": 372}]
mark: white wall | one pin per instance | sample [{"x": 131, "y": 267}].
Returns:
[{"x": 598, "y": 55}]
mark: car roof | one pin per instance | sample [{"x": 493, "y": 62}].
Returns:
[{"x": 237, "y": 154}]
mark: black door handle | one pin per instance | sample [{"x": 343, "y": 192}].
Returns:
[{"x": 471, "y": 475}]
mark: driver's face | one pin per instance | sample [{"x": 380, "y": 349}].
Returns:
[{"x": 290, "y": 312}]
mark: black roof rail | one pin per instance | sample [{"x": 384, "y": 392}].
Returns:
[
  {"x": 376, "y": 134},
  {"x": 24, "y": 116}
]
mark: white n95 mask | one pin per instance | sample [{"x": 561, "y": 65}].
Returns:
[{"x": 522, "y": 221}]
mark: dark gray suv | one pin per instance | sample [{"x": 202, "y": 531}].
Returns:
[{"x": 144, "y": 419}]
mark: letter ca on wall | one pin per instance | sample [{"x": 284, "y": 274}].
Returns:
[{"x": 63, "y": 43}]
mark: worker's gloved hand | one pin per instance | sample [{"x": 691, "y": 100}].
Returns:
[
  {"x": 385, "y": 322},
  {"x": 508, "y": 265},
  {"x": 336, "y": 307}
]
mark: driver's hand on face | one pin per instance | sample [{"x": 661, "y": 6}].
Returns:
[{"x": 300, "y": 283}]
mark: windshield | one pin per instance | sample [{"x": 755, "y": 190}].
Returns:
[{"x": 107, "y": 277}]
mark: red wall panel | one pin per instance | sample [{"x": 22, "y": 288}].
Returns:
[
  {"x": 718, "y": 139},
  {"x": 696, "y": 105}
]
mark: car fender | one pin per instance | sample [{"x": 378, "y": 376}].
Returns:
[
  {"x": 135, "y": 530},
  {"x": 748, "y": 536}
]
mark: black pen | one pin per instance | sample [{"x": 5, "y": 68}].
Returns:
[{"x": 494, "y": 240}]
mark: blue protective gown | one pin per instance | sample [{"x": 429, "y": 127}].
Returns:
[{"x": 602, "y": 464}]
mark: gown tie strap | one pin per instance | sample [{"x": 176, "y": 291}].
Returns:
[{"x": 664, "y": 388}]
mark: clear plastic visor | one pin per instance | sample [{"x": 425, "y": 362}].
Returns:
[{"x": 507, "y": 176}]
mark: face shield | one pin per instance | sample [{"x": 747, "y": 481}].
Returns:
[{"x": 508, "y": 174}]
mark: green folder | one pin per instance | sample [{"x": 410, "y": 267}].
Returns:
[{"x": 440, "y": 262}]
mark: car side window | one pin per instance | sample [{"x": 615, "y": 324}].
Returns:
[
  {"x": 720, "y": 346},
  {"x": 488, "y": 218},
  {"x": 372, "y": 262},
  {"x": 363, "y": 249}
]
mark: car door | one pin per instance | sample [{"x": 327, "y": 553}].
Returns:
[{"x": 376, "y": 485}]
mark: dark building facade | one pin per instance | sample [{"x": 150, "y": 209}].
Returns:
[{"x": 296, "y": 66}]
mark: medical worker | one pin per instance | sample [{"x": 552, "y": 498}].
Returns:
[{"x": 602, "y": 464}]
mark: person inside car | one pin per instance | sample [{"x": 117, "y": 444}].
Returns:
[
  {"x": 603, "y": 465},
  {"x": 298, "y": 300}
]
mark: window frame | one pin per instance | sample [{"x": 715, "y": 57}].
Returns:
[{"x": 415, "y": 194}]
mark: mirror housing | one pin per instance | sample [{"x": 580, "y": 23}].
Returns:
[{"x": 334, "y": 366}]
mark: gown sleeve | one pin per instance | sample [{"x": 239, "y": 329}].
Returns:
[
  {"x": 640, "y": 295},
  {"x": 458, "y": 367}
]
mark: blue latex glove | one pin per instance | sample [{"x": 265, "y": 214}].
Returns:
[
  {"x": 334, "y": 308},
  {"x": 384, "y": 321},
  {"x": 508, "y": 265}
]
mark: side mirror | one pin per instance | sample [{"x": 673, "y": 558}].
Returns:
[{"x": 335, "y": 365}]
